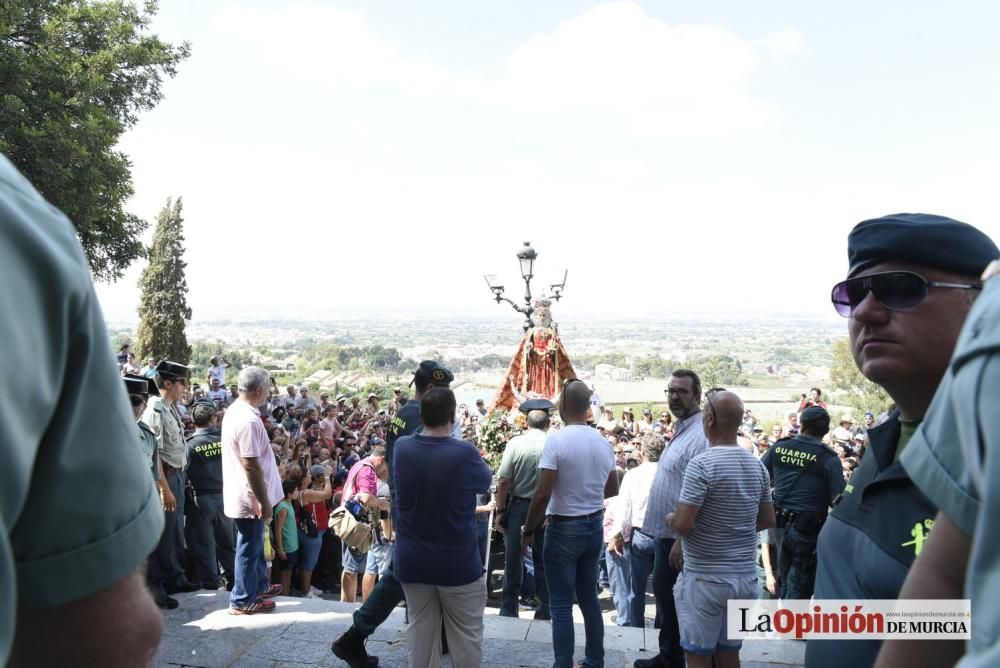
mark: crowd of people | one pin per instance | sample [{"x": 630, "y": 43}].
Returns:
[
  {"x": 228, "y": 489},
  {"x": 582, "y": 499}
]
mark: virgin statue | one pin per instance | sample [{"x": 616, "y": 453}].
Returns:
[{"x": 540, "y": 365}]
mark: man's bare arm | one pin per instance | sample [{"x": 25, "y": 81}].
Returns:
[
  {"x": 765, "y": 517},
  {"x": 91, "y": 631},
  {"x": 255, "y": 476},
  {"x": 540, "y": 499},
  {"x": 939, "y": 572},
  {"x": 611, "y": 485}
]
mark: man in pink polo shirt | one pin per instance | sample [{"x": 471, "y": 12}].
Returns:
[
  {"x": 251, "y": 486},
  {"x": 362, "y": 485}
]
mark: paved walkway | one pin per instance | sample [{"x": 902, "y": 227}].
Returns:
[{"x": 202, "y": 633}]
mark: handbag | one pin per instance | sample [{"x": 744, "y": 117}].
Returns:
[
  {"x": 354, "y": 532},
  {"x": 307, "y": 522}
]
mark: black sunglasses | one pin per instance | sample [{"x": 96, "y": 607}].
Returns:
[{"x": 895, "y": 290}]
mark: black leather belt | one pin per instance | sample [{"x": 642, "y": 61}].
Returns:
[{"x": 569, "y": 518}]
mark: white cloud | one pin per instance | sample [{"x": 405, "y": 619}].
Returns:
[
  {"x": 657, "y": 79},
  {"x": 613, "y": 65},
  {"x": 781, "y": 43},
  {"x": 322, "y": 44}
]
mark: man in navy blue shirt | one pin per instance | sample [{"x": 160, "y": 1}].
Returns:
[
  {"x": 387, "y": 593},
  {"x": 436, "y": 480}
]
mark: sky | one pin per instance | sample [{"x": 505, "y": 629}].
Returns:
[{"x": 370, "y": 158}]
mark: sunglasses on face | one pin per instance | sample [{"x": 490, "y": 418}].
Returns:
[{"x": 895, "y": 290}]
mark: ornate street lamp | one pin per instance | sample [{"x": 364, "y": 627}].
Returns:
[{"x": 526, "y": 258}]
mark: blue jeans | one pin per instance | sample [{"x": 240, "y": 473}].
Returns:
[
  {"x": 619, "y": 577},
  {"x": 642, "y": 551},
  {"x": 572, "y": 550},
  {"x": 309, "y": 551},
  {"x": 250, "y": 568},
  {"x": 664, "y": 577}
]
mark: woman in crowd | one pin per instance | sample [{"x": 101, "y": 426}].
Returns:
[
  {"x": 628, "y": 422},
  {"x": 315, "y": 489}
]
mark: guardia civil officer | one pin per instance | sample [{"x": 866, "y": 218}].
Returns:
[
  {"x": 211, "y": 536},
  {"x": 139, "y": 388},
  {"x": 166, "y": 564},
  {"x": 78, "y": 510},
  {"x": 911, "y": 281},
  {"x": 953, "y": 459},
  {"x": 807, "y": 477},
  {"x": 516, "y": 483}
]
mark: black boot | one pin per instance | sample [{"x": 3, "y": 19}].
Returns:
[{"x": 351, "y": 648}]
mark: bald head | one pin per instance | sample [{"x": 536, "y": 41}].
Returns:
[{"x": 723, "y": 416}]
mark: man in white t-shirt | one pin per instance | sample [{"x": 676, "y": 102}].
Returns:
[
  {"x": 577, "y": 472},
  {"x": 218, "y": 393},
  {"x": 251, "y": 486},
  {"x": 217, "y": 371}
]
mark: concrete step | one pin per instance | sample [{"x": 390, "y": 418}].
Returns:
[{"x": 202, "y": 633}]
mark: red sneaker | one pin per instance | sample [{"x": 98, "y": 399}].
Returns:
[
  {"x": 272, "y": 591},
  {"x": 255, "y": 608}
]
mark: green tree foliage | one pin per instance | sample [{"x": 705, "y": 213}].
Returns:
[
  {"x": 202, "y": 352},
  {"x": 74, "y": 75},
  {"x": 856, "y": 391},
  {"x": 163, "y": 303},
  {"x": 334, "y": 357},
  {"x": 719, "y": 371}
]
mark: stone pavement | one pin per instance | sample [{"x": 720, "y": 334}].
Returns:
[{"x": 202, "y": 633}]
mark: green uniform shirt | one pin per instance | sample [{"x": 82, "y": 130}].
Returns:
[
  {"x": 147, "y": 443},
  {"x": 520, "y": 462},
  {"x": 78, "y": 511},
  {"x": 166, "y": 423},
  {"x": 955, "y": 460}
]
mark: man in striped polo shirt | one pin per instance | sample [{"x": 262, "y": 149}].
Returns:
[{"x": 724, "y": 502}]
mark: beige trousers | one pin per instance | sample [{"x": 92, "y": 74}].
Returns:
[{"x": 461, "y": 610}]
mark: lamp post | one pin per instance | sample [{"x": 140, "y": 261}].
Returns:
[{"x": 526, "y": 258}]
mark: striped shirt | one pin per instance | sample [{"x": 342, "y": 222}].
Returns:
[
  {"x": 728, "y": 484},
  {"x": 688, "y": 442}
]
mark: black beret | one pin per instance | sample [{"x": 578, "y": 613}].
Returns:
[
  {"x": 537, "y": 405},
  {"x": 813, "y": 413},
  {"x": 433, "y": 372},
  {"x": 923, "y": 239}
]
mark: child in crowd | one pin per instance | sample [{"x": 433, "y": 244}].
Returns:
[{"x": 286, "y": 535}]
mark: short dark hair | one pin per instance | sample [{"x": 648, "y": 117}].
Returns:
[
  {"x": 437, "y": 407},
  {"x": 136, "y": 400},
  {"x": 817, "y": 427},
  {"x": 289, "y": 486},
  {"x": 688, "y": 373},
  {"x": 202, "y": 413},
  {"x": 576, "y": 399},
  {"x": 818, "y": 391}
]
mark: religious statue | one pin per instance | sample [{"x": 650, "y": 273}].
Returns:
[{"x": 540, "y": 365}]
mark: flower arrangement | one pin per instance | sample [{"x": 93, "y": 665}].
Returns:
[{"x": 494, "y": 433}]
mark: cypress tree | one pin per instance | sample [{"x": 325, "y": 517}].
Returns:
[{"x": 163, "y": 307}]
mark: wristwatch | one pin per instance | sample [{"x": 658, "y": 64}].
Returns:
[{"x": 524, "y": 532}]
